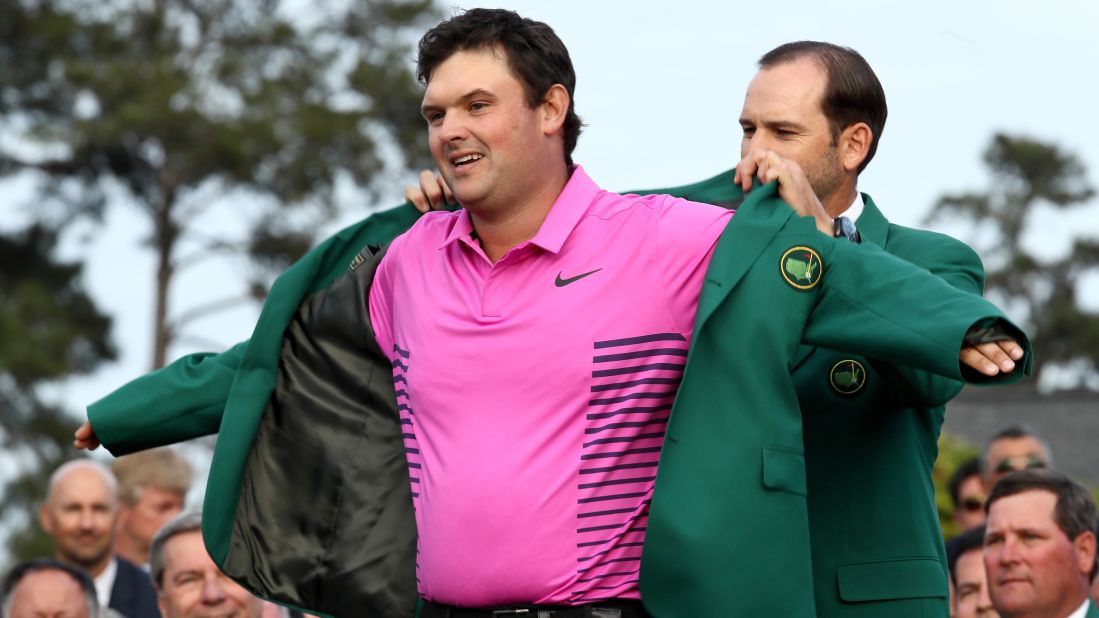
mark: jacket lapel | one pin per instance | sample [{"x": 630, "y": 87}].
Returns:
[
  {"x": 755, "y": 224},
  {"x": 872, "y": 225},
  {"x": 121, "y": 591}
]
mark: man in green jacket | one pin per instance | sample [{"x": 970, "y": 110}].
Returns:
[
  {"x": 311, "y": 407},
  {"x": 871, "y": 425}
]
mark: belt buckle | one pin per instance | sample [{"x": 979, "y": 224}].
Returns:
[{"x": 510, "y": 612}]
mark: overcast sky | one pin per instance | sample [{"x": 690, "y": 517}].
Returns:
[{"x": 660, "y": 86}]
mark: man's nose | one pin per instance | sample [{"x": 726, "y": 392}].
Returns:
[
  {"x": 212, "y": 590},
  {"x": 87, "y": 519},
  {"x": 760, "y": 140},
  {"x": 452, "y": 129},
  {"x": 984, "y": 601},
  {"x": 1009, "y": 551}
]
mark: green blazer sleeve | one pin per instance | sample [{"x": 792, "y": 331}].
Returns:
[
  {"x": 186, "y": 399},
  {"x": 956, "y": 264},
  {"x": 885, "y": 308},
  {"x": 179, "y": 402}
]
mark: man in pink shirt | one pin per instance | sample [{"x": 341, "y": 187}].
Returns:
[
  {"x": 538, "y": 336},
  {"x": 553, "y": 477},
  {"x": 561, "y": 467}
]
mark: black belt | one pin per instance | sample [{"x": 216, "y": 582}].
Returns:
[{"x": 617, "y": 608}]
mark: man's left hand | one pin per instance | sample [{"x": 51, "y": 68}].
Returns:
[
  {"x": 793, "y": 186},
  {"x": 991, "y": 359},
  {"x": 432, "y": 194}
]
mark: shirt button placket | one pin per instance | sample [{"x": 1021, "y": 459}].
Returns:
[{"x": 490, "y": 295}]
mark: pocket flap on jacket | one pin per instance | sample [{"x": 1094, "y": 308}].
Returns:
[
  {"x": 891, "y": 579},
  {"x": 784, "y": 470}
]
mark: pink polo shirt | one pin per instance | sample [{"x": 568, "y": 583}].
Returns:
[{"x": 534, "y": 392}]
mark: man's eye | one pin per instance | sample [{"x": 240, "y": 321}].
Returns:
[
  {"x": 477, "y": 106},
  {"x": 748, "y": 131},
  {"x": 184, "y": 579}
]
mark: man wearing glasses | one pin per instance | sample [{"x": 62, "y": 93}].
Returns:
[
  {"x": 967, "y": 493},
  {"x": 1017, "y": 447}
]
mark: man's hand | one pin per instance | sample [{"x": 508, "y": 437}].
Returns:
[
  {"x": 992, "y": 358},
  {"x": 85, "y": 437},
  {"x": 432, "y": 194},
  {"x": 793, "y": 186}
]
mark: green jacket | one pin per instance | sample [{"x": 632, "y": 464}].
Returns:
[
  {"x": 310, "y": 407},
  {"x": 871, "y": 433}
]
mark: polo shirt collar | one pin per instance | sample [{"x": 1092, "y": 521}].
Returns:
[
  {"x": 579, "y": 192},
  {"x": 575, "y": 198},
  {"x": 463, "y": 228}
]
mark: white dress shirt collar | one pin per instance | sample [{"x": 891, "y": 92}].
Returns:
[
  {"x": 1080, "y": 611},
  {"x": 105, "y": 582},
  {"x": 854, "y": 211}
]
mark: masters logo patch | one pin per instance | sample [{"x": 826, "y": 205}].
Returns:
[
  {"x": 801, "y": 267},
  {"x": 847, "y": 377}
]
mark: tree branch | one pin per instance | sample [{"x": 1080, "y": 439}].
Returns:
[
  {"x": 213, "y": 248},
  {"x": 206, "y": 309}
]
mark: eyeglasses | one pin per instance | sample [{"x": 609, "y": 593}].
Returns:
[
  {"x": 973, "y": 504},
  {"x": 1010, "y": 464}
]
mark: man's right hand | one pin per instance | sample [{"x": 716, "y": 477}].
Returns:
[
  {"x": 793, "y": 186},
  {"x": 85, "y": 437},
  {"x": 432, "y": 194}
]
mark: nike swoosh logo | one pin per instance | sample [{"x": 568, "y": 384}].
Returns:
[{"x": 563, "y": 282}]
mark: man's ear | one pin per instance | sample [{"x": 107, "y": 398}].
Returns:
[
  {"x": 854, "y": 145},
  {"x": 1084, "y": 544},
  {"x": 45, "y": 520},
  {"x": 554, "y": 108}
]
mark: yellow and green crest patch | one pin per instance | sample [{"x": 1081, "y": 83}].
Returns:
[
  {"x": 801, "y": 267},
  {"x": 847, "y": 377}
]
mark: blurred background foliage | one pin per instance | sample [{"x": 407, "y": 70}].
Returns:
[
  {"x": 170, "y": 109},
  {"x": 953, "y": 452},
  {"x": 1042, "y": 294},
  {"x": 174, "y": 107}
]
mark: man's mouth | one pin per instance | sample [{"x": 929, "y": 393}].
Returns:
[{"x": 467, "y": 159}]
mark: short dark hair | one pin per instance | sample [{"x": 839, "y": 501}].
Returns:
[
  {"x": 1013, "y": 432},
  {"x": 969, "y": 540},
  {"x": 535, "y": 55},
  {"x": 1075, "y": 512},
  {"x": 853, "y": 93},
  {"x": 969, "y": 468},
  {"x": 23, "y": 569}
]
